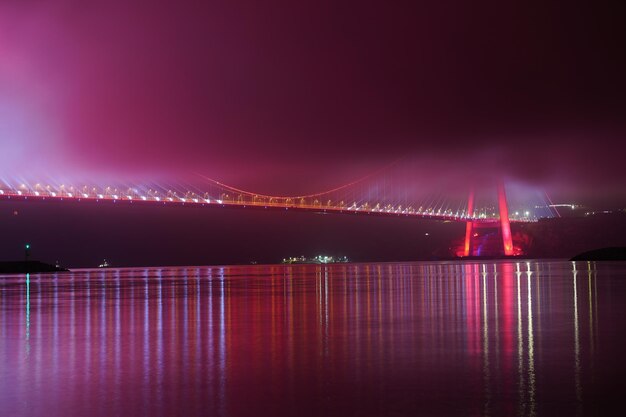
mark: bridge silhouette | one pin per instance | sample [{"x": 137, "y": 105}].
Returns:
[{"x": 368, "y": 196}]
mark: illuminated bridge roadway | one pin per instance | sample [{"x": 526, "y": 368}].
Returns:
[{"x": 234, "y": 198}]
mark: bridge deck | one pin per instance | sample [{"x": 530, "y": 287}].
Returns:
[{"x": 179, "y": 201}]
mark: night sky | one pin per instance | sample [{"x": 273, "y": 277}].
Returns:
[{"x": 299, "y": 96}]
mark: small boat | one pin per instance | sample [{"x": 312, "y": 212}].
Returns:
[{"x": 104, "y": 264}]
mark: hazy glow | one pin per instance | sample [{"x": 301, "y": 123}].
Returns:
[{"x": 106, "y": 93}]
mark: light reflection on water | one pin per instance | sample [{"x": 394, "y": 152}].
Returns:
[{"x": 505, "y": 338}]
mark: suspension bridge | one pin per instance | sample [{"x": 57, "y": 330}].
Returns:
[{"x": 372, "y": 195}]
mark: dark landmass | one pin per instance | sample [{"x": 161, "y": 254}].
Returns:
[
  {"x": 22, "y": 267},
  {"x": 562, "y": 237},
  {"x": 568, "y": 237},
  {"x": 137, "y": 235},
  {"x": 604, "y": 254}
]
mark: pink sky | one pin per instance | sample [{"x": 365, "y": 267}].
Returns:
[{"x": 313, "y": 94}]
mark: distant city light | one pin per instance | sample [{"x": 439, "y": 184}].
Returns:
[{"x": 319, "y": 259}]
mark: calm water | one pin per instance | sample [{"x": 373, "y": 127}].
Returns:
[{"x": 466, "y": 339}]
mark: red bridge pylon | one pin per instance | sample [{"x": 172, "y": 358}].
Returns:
[{"x": 504, "y": 224}]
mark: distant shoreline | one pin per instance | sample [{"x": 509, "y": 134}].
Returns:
[
  {"x": 603, "y": 254},
  {"x": 31, "y": 267},
  {"x": 22, "y": 267}
]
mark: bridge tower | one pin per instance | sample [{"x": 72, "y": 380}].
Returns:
[{"x": 504, "y": 223}]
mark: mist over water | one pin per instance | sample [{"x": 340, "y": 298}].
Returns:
[{"x": 493, "y": 338}]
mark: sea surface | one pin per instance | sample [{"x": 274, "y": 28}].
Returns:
[{"x": 504, "y": 338}]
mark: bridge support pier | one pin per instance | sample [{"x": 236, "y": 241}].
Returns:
[
  {"x": 467, "y": 248},
  {"x": 504, "y": 223}
]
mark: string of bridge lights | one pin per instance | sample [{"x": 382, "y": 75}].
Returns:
[{"x": 231, "y": 197}]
